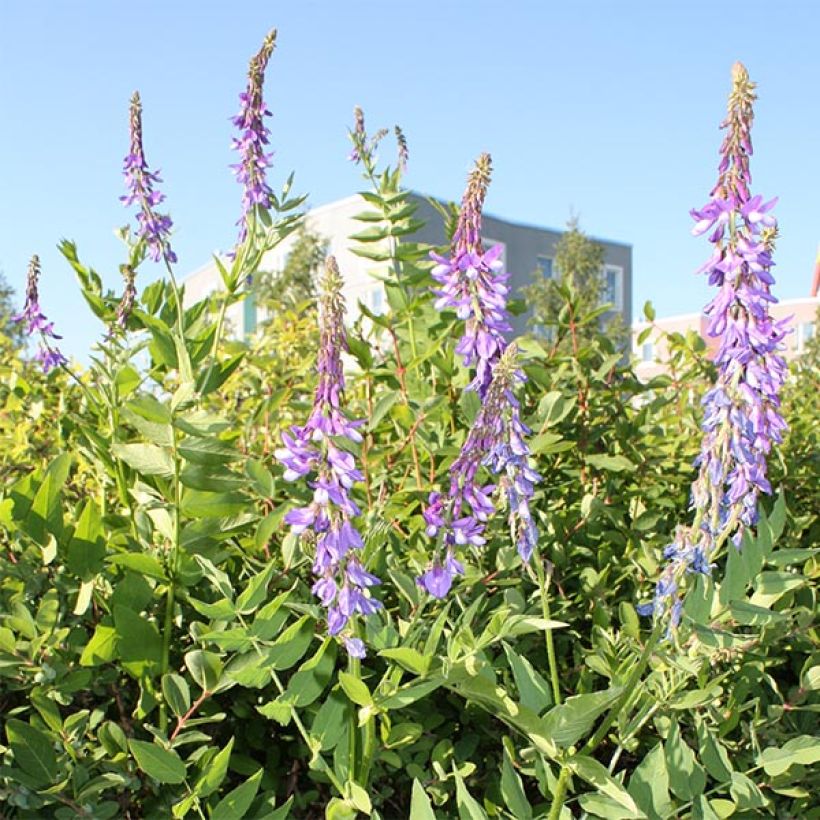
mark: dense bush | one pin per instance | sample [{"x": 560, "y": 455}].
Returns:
[{"x": 161, "y": 652}]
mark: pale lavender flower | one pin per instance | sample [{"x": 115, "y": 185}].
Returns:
[
  {"x": 496, "y": 441},
  {"x": 473, "y": 283},
  {"x": 35, "y": 321},
  {"x": 253, "y": 139},
  {"x": 342, "y": 584},
  {"x": 154, "y": 228},
  {"x": 742, "y": 419}
]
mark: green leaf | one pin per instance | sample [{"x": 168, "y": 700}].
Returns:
[
  {"x": 33, "y": 752},
  {"x": 146, "y": 459},
  {"x": 408, "y": 658},
  {"x": 568, "y": 723},
  {"x": 356, "y": 689},
  {"x": 596, "y": 775},
  {"x": 803, "y": 750},
  {"x": 512, "y": 790},
  {"x": 686, "y": 777},
  {"x": 101, "y": 648},
  {"x": 468, "y": 807},
  {"x": 205, "y": 668},
  {"x": 313, "y": 676},
  {"x": 45, "y": 514},
  {"x": 164, "y": 765},
  {"x": 420, "y": 806},
  {"x": 139, "y": 644},
  {"x": 140, "y": 562},
  {"x": 714, "y": 757},
  {"x": 292, "y": 644},
  {"x": 86, "y": 549},
  {"x": 176, "y": 693},
  {"x": 215, "y": 772},
  {"x": 533, "y": 690},
  {"x": 746, "y": 793},
  {"x": 611, "y": 463},
  {"x": 256, "y": 590},
  {"x": 208, "y": 451},
  {"x": 649, "y": 785}
]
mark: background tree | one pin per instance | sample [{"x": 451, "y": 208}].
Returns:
[
  {"x": 296, "y": 281},
  {"x": 577, "y": 268},
  {"x": 11, "y": 333}
]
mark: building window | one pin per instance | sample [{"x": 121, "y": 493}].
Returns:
[
  {"x": 613, "y": 290},
  {"x": 647, "y": 352},
  {"x": 546, "y": 267},
  {"x": 491, "y": 243},
  {"x": 249, "y": 314},
  {"x": 376, "y": 300},
  {"x": 805, "y": 333}
]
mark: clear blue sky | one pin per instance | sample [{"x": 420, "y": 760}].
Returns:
[{"x": 607, "y": 108}]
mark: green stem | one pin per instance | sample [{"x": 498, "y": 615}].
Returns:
[
  {"x": 545, "y": 610},
  {"x": 629, "y": 689},
  {"x": 320, "y": 762},
  {"x": 560, "y": 794},
  {"x": 173, "y": 570}
]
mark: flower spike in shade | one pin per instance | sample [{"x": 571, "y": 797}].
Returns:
[
  {"x": 36, "y": 322},
  {"x": 496, "y": 441},
  {"x": 253, "y": 139},
  {"x": 154, "y": 228},
  {"x": 313, "y": 451},
  {"x": 129, "y": 295},
  {"x": 473, "y": 283},
  {"x": 742, "y": 418}
]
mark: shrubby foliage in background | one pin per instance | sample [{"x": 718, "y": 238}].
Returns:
[{"x": 161, "y": 653}]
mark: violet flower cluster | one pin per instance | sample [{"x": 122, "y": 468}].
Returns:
[
  {"x": 154, "y": 228},
  {"x": 364, "y": 148},
  {"x": 496, "y": 441},
  {"x": 342, "y": 584},
  {"x": 253, "y": 139},
  {"x": 36, "y": 322},
  {"x": 742, "y": 419},
  {"x": 473, "y": 283}
]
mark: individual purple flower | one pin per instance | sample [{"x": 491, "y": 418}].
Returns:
[
  {"x": 35, "y": 321},
  {"x": 154, "y": 228},
  {"x": 313, "y": 451},
  {"x": 742, "y": 419},
  {"x": 473, "y": 283},
  {"x": 495, "y": 441},
  {"x": 253, "y": 139}
]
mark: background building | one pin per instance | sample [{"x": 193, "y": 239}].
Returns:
[
  {"x": 527, "y": 249},
  {"x": 652, "y": 352}
]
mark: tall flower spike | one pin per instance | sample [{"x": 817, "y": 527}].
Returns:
[
  {"x": 742, "y": 418},
  {"x": 254, "y": 136},
  {"x": 154, "y": 228},
  {"x": 473, "y": 283},
  {"x": 36, "y": 322},
  {"x": 495, "y": 440},
  {"x": 342, "y": 584}
]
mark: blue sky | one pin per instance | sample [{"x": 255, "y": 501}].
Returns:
[{"x": 609, "y": 109}]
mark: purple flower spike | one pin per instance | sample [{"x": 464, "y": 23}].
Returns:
[
  {"x": 253, "y": 139},
  {"x": 35, "y": 321},
  {"x": 342, "y": 583},
  {"x": 473, "y": 283},
  {"x": 153, "y": 228},
  {"x": 741, "y": 420},
  {"x": 495, "y": 441}
]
